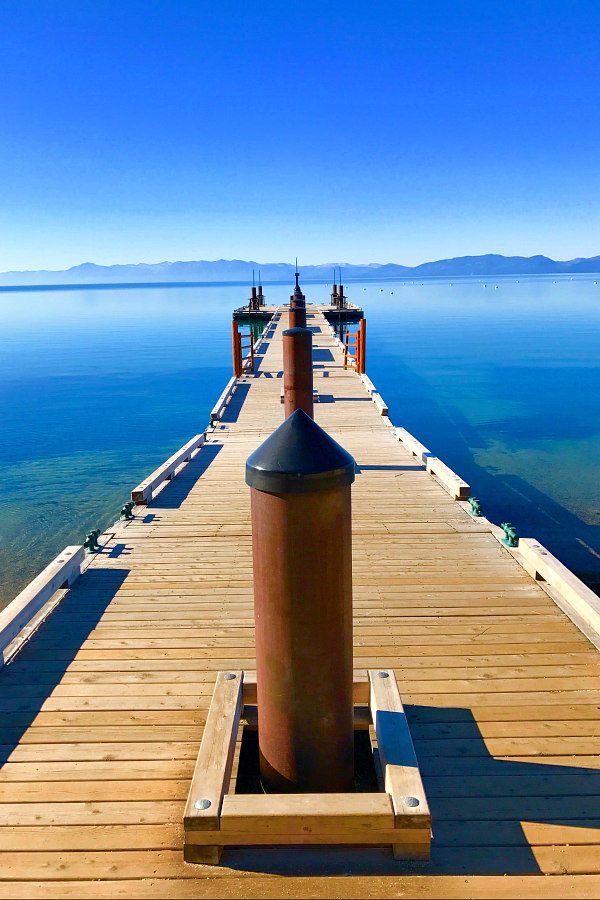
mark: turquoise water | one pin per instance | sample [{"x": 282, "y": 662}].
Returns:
[{"x": 97, "y": 387}]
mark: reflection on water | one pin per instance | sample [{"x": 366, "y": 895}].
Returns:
[
  {"x": 504, "y": 385},
  {"x": 98, "y": 387}
]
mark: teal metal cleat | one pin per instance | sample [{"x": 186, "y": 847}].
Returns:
[{"x": 511, "y": 538}]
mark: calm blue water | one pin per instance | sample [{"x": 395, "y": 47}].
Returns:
[{"x": 99, "y": 386}]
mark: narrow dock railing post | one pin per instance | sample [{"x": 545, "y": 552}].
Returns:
[
  {"x": 297, "y": 371},
  {"x": 236, "y": 349},
  {"x": 302, "y": 557},
  {"x": 362, "y": 347}
]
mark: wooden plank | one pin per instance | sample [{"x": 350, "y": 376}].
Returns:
[
  {"x": 413, "y": 839},
  {"x": 49, "y": 813},
  {"x": 39, "y": 838},
  {"x": 315, "y": 887},
  {"x": 120, "y": 792},
  {"x": 213, "y": 766},
  {"x": 542, "y": 565},
  {"x": 397, "y": 756},
  {"x": 220, "y": 405},
  {"x": 380, "y": 403},
  {"x": 300, "y": 887},
  {"x": 144, "y": 491},
  {"x": 360, "y": 687},
  {"x": 299, "y": 814},
  {"x": 415, "y": 447},
  {"x": 450, "y": 481},
  {"x": 369, "y": 386},
  {"x": 60, "y": 573}
]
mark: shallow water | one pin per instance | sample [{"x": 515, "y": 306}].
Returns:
[{"x": 97, "y": 387}]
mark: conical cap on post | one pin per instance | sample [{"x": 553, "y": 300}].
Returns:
[{"x": 299, "y": 457}]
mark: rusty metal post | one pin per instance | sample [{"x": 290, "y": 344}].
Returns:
[
  {"x": 297, "y": 371},
  {"x": 261, "y": 299},
  {"x": 341, "y": 296},
  {"x": 236, "y": 349},
  {"x": 334, "y": 295},
  {"x": 297, "y": 317},
  {"x": 302, "y": 557},
  {"x": 362, "y": 344}
]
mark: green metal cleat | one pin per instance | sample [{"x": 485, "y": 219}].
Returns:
[
  {"x": 474, "y": 506},
  {"x": 511, "y": 538},
  {"x": 91, "y": 541},
  {"x": 127, "y": 510}
]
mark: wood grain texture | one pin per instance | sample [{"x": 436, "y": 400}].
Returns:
[{"x": 102, "y": 711}]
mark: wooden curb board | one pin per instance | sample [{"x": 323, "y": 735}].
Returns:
[{"x": 398, "y": 815}]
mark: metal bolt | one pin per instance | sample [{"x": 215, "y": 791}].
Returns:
[
  {"x": 412, "y": 801},
  {"x": 230, "y": 676},
  {"x": 203, "y": 804},
  {"x": 384, "y": 674}
]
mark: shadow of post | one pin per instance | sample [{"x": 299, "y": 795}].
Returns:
[
  {"x": 478, "y": 806},
  {"x": 236, "y": 403},
  {"x": 178, "y": 489}
]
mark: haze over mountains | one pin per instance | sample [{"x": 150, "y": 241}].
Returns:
[{"x": 241, "y": 270}]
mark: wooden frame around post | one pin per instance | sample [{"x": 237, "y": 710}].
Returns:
[{"x": 398, "y": 815}]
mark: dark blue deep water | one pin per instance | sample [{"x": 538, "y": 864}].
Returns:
[{"x": 99, "y": 386}]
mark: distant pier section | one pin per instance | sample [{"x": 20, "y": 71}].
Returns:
[{"x": 336, "y": 308}]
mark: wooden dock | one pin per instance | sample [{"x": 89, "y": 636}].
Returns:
[
  {"x": 103, "y": 705},
  {"x": 350, "y": 313}
]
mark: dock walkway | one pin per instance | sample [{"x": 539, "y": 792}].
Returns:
[{"x": 103, "y": 708}]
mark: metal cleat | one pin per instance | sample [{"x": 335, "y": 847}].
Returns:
[
  {"x": 91, "y": 541},
  {"x": 127, "y": 510},
  {"x": 475, "y": 506},
  {"x": 511, "y": 538}
]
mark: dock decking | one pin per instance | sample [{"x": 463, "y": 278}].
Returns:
[{"x": 103, "y": 708}]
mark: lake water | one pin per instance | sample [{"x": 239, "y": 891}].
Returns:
[{"x": 97, "y": 387}]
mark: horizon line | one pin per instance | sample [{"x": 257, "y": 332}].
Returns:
[{"x": 373, "y": 265}]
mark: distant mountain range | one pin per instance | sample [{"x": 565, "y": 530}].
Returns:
[{"x": 240, "y": 270}]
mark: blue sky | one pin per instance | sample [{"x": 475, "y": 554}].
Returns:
[{"x": 363, "y": 132}]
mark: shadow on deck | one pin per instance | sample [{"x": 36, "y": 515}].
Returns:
[
  {"x": 477, "y": 803},
  {"x": 28, "y": 681}
]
